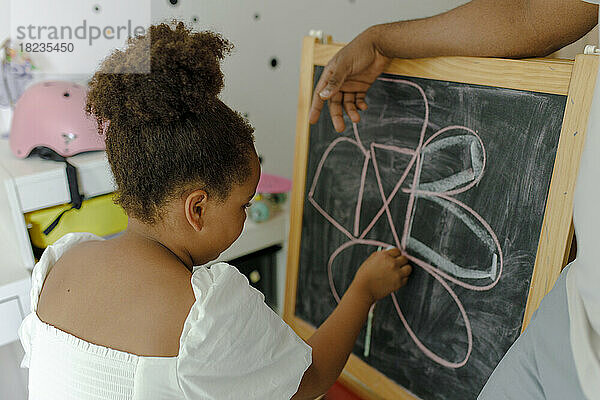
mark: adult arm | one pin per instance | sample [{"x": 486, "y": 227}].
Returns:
[{"x": 485, "y": 28}]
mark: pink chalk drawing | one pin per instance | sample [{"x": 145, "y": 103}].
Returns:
[{"x": 440, "y": 192}]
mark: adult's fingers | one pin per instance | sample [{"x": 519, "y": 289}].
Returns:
[
  {"x": 335, "y": 110},
  {"x": 317, "y": 102},
  {"x": 331, "y": 80},
  {"x": 335, "y": 74},
  {"x": 315, "y": 108},
  {"x": 360, "y": 101},
  {"x": 350, "y": 107}
]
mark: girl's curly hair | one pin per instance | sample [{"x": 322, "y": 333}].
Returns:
[{"x": 167, "y": 130}]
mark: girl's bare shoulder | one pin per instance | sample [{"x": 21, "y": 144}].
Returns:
[{"x": 134, "y": 298}]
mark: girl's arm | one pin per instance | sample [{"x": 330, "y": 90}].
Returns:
[{"x": 381, "y": 274}]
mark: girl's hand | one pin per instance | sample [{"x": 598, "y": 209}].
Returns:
[{"x": 382, "y": 273}]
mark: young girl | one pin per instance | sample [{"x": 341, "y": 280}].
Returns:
[{"x": 131, "y": 317}]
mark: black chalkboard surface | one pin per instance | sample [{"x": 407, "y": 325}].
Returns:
[{"x": 457, "y": 175}]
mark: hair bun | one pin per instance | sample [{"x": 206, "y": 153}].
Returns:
[{"x": 185, "y": 77}]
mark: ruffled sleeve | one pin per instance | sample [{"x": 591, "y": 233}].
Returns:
[
  {"x": 233, "y": 346},
  {"x": 26, "y": 331}
]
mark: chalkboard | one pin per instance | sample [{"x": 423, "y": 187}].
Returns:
[
  {"x": 478, "y": 161},
  {"x": 456, "y": 174}
]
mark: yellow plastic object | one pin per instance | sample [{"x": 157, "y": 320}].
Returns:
[{"x": 98, "y": 215}]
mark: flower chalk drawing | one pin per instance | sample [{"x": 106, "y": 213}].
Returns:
[{"x": 440, "y": 193}]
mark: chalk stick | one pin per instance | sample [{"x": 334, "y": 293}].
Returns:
[{"x": 368, "y": 334}]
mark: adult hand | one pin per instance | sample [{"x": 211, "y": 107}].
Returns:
[{"x": 346, "y": 78}]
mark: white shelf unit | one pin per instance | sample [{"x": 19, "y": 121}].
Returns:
[{"x": 33, "y": 184}]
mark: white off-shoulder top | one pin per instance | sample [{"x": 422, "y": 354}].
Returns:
[{"x": 233, "y": 346}]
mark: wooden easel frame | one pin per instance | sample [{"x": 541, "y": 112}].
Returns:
[{"x": 575, "y": 79}]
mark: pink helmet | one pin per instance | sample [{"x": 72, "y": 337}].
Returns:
[{"x": 52, "y": 115}]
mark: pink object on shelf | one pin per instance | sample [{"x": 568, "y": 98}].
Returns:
[
  {"x": 273, "y": 184},
  {"x": 52, "y": 114}
]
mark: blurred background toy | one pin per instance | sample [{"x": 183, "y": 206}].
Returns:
[
  {"x": 271, "y": 194},
  {"x": 15, "y": 75}
]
